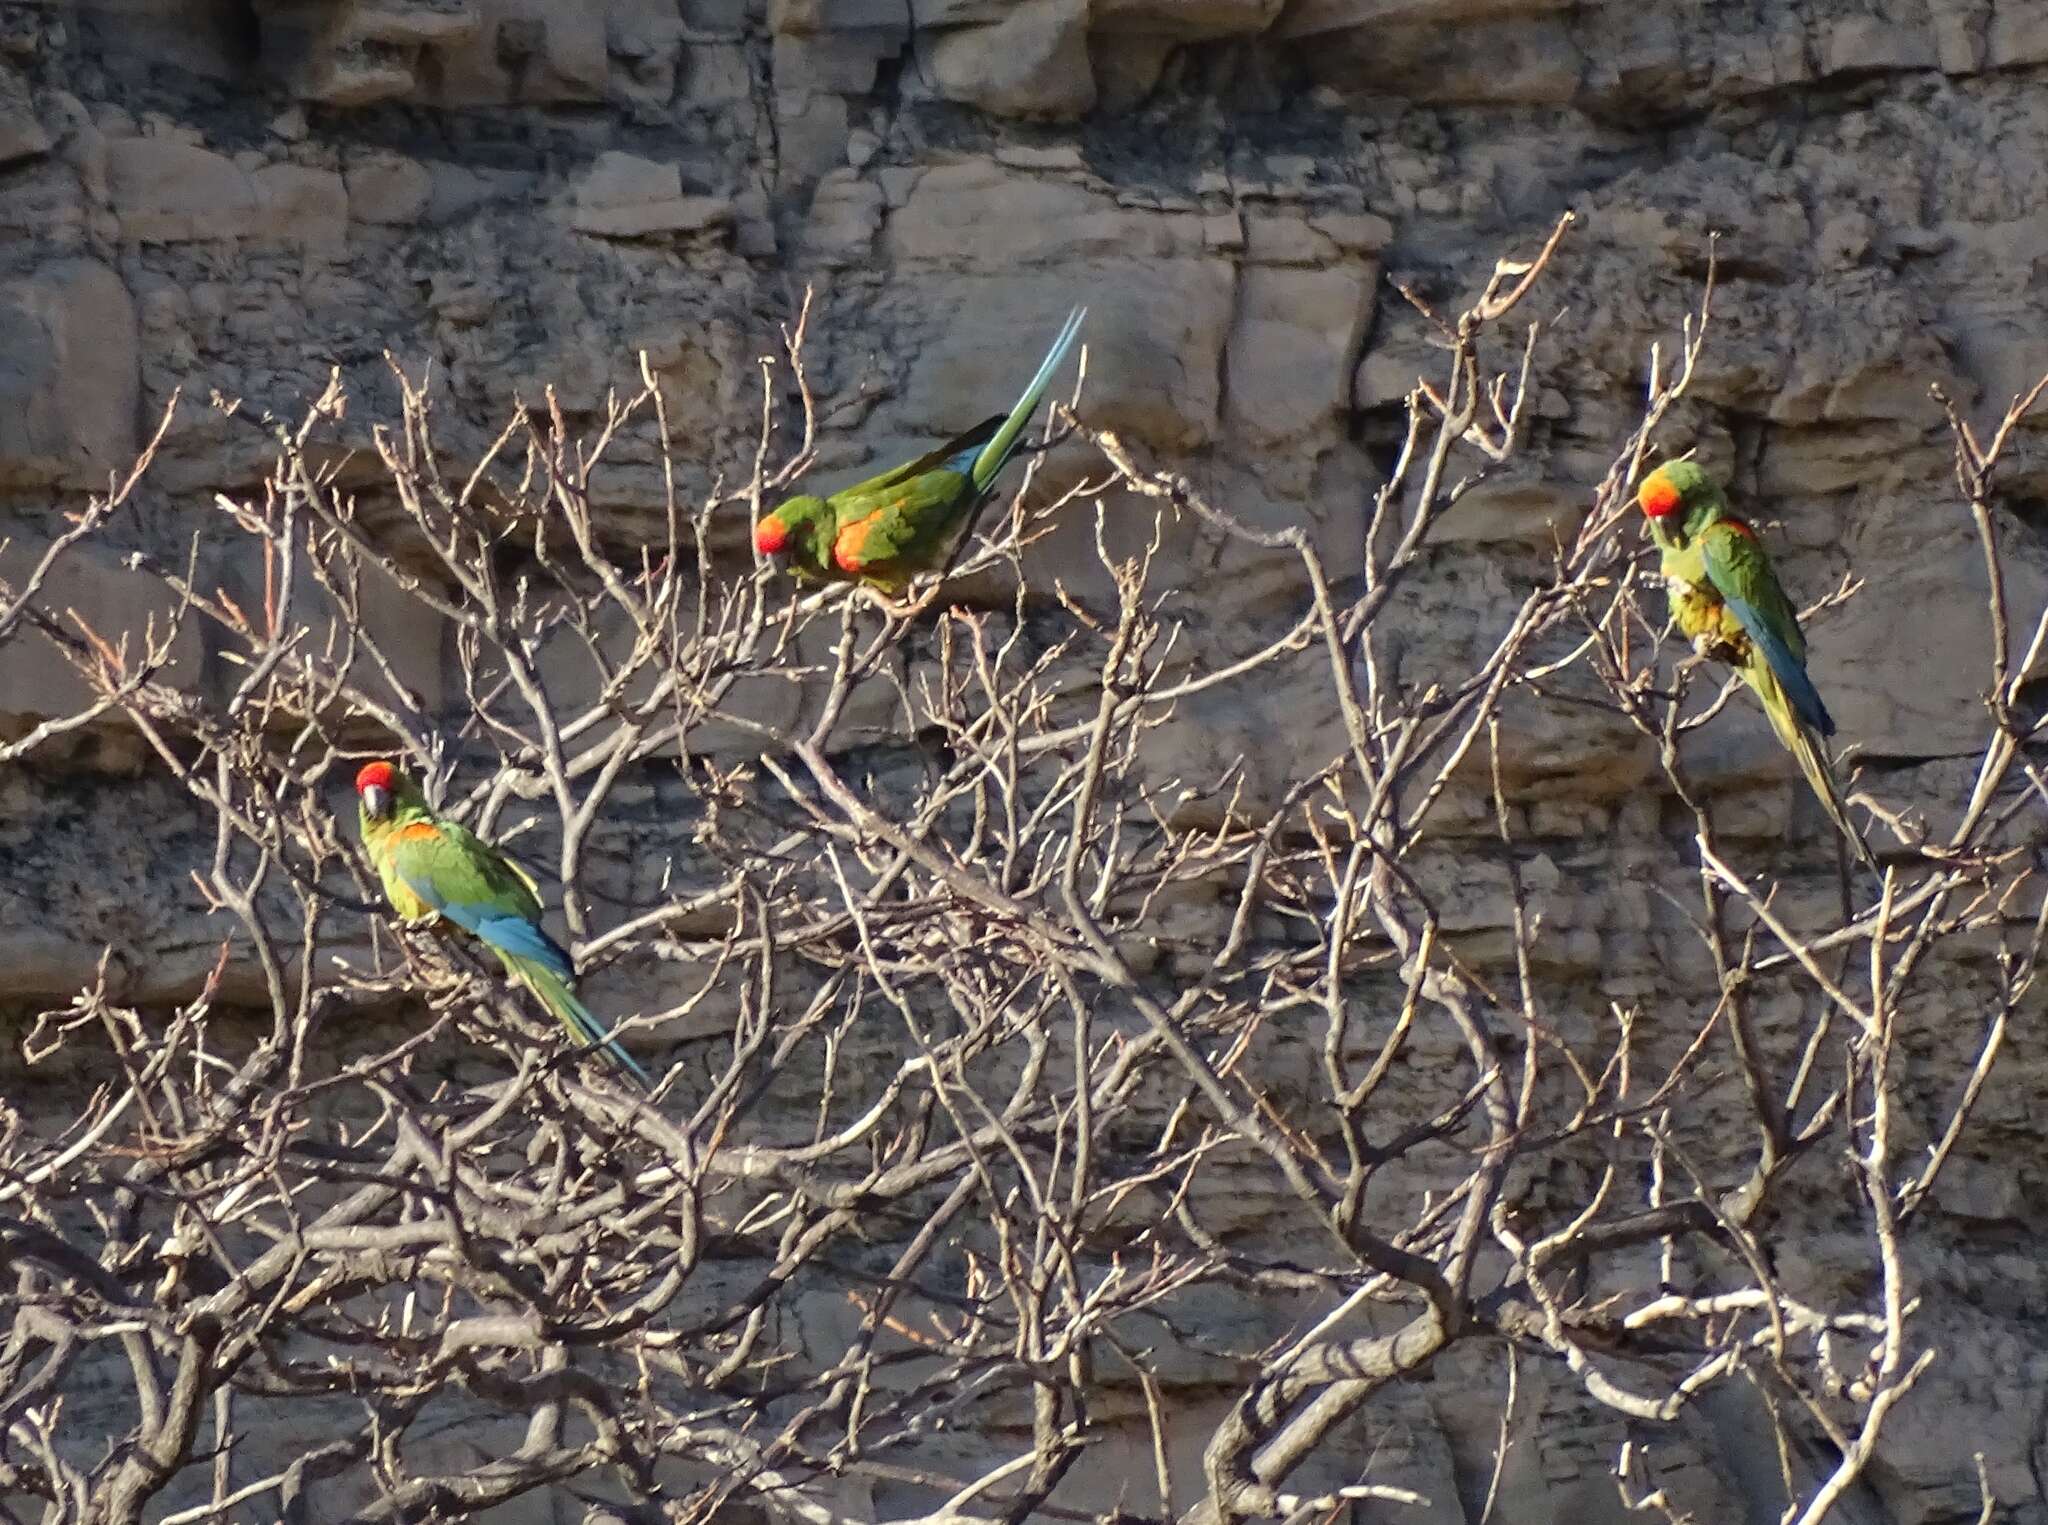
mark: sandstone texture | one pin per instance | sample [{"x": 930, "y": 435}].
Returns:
[{"x": 518, "y": 194}]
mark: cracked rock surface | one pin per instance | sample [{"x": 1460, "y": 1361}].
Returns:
[{"x": 526, "y": 192}]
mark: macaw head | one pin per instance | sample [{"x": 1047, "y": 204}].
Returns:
[
  {"x": 1677, "y": 487},
  {"x": 383, "y": 791},
  {"x": 800, "y": 530}
]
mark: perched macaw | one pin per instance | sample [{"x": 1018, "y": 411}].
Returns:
[
  {"x": 433, "y": 868},
  {"x": 886, "y": 530},
  {"x": 1726, "y": 600}
]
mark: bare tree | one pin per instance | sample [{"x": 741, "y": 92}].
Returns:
[{"x": 974, "y": 1015}]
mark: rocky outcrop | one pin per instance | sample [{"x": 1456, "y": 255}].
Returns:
[{"x": 522, "y": 193}]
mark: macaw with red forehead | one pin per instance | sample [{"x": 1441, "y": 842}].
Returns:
[
  {"x": 886, "y": 530},
  {"x": 1726, "y": 600},
  {"x": 434, "y": 869}
]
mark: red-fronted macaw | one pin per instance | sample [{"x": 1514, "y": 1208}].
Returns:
[
  {"x": 886, "y": 530},
  {"x": 436, "y": 869},
  {"x": 1726, "y": 600}
]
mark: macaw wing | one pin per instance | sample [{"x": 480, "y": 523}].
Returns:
[
  {"x": 1740, "y": 572},
  {"x": 907, "y": 528},
  {"x": 517, "y": 870},
  {"x": 450, "y": 864},
  {"x": 973, "y": 439},
  {"x": 459, "y": 875}
]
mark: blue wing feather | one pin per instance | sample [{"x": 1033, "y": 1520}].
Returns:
[
  {"x": 520, "y": 938},
  {"x": 498, "y": 928},
  {"x": 1788, "y": 669}
]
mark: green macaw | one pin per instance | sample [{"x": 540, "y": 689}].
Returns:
[
  {"x": 886, "y": 530},
  {"x": 434, "y": 869},
  {"x": 1726, "y": 600}
]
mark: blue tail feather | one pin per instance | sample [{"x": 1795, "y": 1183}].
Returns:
[
  {"x": 556, "y": 994},
  {"x": 992, "y": 456},
  {"x": 586, "y": 1026},
  {"x": 545, "y": 967}
]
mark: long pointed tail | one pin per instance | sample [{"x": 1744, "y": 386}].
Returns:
[
  {"x": 1809, "y": 751},
  {"x": 553, "y": 992},
  {"x": 997, "y": 451},
  {"x": 1813, "y": 762}
]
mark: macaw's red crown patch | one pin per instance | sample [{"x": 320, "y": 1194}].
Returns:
[
  {"x": 771, "y": 536},
  {"x": 1658, "y": 496},
  {"x": 376, "y": 775}
]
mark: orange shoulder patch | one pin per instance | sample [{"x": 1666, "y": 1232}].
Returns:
[
  {"x": 1739, "y": 527},
  {"x": 417, "y": 831},
  {"x": 847, "y": 544}
]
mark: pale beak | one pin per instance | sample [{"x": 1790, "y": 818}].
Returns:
[{"x": 376, "y": 802}]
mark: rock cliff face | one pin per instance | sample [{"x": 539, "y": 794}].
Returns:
[{"x": 240, "y": 195}]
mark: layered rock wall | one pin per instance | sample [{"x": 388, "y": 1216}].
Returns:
[{"x": 237, "y": 196}]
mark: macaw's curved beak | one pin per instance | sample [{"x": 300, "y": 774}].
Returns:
[{"x": 376, "y": 801}]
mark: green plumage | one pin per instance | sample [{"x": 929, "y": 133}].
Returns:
[
  {"x": 888, "y": 529},
  {"x": 436, "y": 869},
  {"x": 1726, "y": 599},
  {"x": 807, "y": 525}
]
